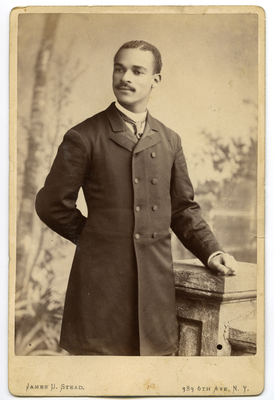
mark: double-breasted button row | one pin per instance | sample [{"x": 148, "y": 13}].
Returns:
[{"x": 138, "y": 208}]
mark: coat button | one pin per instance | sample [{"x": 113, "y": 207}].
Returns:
[
  {"x": 153, "y": 154},
  {"x": 154, "y": 208},
  {"x": 154, "y": 235},
  {"x": 136, "y": 180},
  {"x": 137, "y": 208},
  {"x": 137, "y": 236},
  {"x": 154, "y": 181}
]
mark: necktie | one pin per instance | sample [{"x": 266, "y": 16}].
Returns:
[{"x": 138, "y": 131}]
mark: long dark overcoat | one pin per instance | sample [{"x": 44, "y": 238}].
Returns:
[{"x": 120, "y": 298}]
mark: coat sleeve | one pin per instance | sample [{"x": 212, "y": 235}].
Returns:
[
  {"x": 56, "y": 201},
  {"x": 186, "y": 221}
]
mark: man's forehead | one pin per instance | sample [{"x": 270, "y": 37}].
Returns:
[{"x": 137, "y": 57}]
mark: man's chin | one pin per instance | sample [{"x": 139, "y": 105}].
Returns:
[
  {"x": 124, "y": 102},
  {"x": 124, "y": 96}
]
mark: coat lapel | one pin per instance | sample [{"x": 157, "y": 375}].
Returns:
[
  {"x": 151, "y": 134},
  {"x": 122, "y": 140},
  {"x": 117, "y": 125}
]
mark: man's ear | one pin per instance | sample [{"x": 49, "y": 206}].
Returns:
[{"x": 157, "y": 79}]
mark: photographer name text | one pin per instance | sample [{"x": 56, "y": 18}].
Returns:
[{"x": 53, "y": 387}]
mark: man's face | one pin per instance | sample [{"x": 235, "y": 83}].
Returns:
[{"x": 133, "y": 78}]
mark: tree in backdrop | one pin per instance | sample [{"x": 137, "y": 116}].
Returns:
[
  {"x": 39, "y": 294},
  {"x": 34, "y": 158}
]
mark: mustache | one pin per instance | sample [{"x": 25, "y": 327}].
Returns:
[{"x": 121, "y": 86}]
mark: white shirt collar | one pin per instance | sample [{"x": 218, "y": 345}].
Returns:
[{"x": 134, "y": 116}]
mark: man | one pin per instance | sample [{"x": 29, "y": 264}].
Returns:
[{"x": 121, "y": 297}]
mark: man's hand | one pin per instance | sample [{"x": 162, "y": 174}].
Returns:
[{"x": 223, "y": 264}]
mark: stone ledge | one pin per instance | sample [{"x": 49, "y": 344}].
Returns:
[{"x": 192, "y": 278}]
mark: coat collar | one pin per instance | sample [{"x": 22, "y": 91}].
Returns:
[{"x": 117, "y": 124}]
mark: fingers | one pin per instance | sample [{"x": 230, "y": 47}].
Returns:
[
  {"x": 223, "y": 270},
  {"x": 230, "y": 263},
  {"x": 224, "y": 264}
]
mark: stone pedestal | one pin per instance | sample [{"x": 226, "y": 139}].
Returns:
[{"x": 216, "y": 314}]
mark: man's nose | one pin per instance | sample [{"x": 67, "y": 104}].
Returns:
[{"x": 126, "y": 76}]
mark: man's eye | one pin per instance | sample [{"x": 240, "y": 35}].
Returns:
[
  {"x": 117, "y": 69},
  {"x": 137, "y": 72}
]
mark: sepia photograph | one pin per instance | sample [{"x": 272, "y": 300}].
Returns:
[{"x": 137, "y": 194}]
